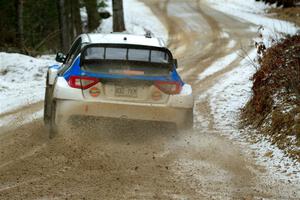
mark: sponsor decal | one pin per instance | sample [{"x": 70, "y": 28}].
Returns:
[
  {"x": 127, "y": 72},
  {"x": 156, "y": 96},
  {"x": 94, "y": 92}
]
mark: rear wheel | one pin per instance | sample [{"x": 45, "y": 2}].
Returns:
[
  {"x": 50, "y": 111},
  {"x": 52, "y": 126},
  {"x": 47, "y": 105}
]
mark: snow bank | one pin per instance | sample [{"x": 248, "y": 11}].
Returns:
[
  {"x": 249, "y": 6},
  {"x": 218, "y": 66},
  {"x": 254, "y": 12},
  {"x": 22, "y": 80},
  {"x": 226, "y": 98},
  {"x": 138, "y": 20},
  {"x": 230, "y": 94},
  {"x": 233, "y": 90}
]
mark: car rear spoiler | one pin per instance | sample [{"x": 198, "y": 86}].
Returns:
[{"x": 85, "y": 60}]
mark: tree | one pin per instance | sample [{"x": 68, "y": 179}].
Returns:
[
  {"x": 20, "y": 24},
  {"x": 44, "y": 25},
  {"x": 118, "y": 16},
  {"x": 93, "y": 15},
  {"x": 63, "y": 25},
  {"x": 76, "y": 18}
]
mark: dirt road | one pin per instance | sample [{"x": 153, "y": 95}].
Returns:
[{"x": 145, "y": 161}]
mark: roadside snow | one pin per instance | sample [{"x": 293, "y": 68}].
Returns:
[
  {"x": 15, "y": 120},
  {"x": 250, "y": 6},
  {"x": 231, "y": 93},
  {"x": 226, "y": 98},
  {"x": 254, "y": 12},
  {"x": 218, "y": 66},
  {"x": 22, "y": 80},
  {"x": 138, "y": 20},
  {"x": 233, "y": 90},
  {"x": 231, "y": 44}
]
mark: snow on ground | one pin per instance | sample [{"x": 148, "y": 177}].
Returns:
[
  {"x": 22, "y": 80},
  {"x": 226, "y": 98},
  {"x": 229, "y": 94},
  {"x": 254, "y": 12},
  {"x": 218, "y": 66},
  {"x": 138, "y": 20},
  {"x": 233, "y": 90},
  {"x": 14, "y": 120}
]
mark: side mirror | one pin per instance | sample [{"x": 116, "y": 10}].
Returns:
[
  {"x": 175, "y": 63},
  {"x": 105, "y": 14},
  {"x": 60, "y": 57}
]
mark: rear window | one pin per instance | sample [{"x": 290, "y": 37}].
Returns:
[
  {"x": 138, "y": 55},
  {"x": 126, "y": 61},
  {"x": 114, "y": 53}
]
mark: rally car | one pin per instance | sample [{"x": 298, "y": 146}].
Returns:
[{"x": 117, "y": 76}]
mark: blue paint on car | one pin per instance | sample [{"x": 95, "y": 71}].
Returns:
[{"x": 75, "y": 70}]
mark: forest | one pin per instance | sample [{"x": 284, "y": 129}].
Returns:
[
  {"x": 44, "y": 26},
  {"x": 284, "y": 3}
]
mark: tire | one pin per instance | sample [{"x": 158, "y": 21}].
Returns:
[
  {"x": 50, "y": 111},
  {"x": 52, "y": 126},
  {"x": 47, "y": 105}
]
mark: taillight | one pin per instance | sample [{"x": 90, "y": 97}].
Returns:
[
  {"x": 82, "y": 82},
  {"x": 169, "y": 87}
]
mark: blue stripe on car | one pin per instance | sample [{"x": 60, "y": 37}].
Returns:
[{"x": 75, "y": 70}]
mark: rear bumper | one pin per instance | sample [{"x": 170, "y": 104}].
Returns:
[{"x": 161, "y": 113}]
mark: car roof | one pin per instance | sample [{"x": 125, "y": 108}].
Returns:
[{"x": 119, "y": 38}]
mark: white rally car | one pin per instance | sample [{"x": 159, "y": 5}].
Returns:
[{"x": 117, "y": 76}]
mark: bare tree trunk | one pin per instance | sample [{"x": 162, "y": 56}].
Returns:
[
  {"x": 20, "y": 24},
  {"x": 73, "y": 18},
  {"x": 63, "y": 25},
  {"x": 69, "y": 18},
  {"x": 93, "y": 15},
  {"x": 118, "y": 16},
  {"x": 77, "y": 24}
]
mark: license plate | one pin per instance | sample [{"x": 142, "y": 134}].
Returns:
[{"x": 123, "y": 91}]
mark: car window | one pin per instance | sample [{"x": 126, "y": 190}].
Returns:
[
  {"x": 128, "y": 54},
  {"x": 159, "y": 57},
  {"x": 138, "y": 55},
  {"x": 74, "y": 51},
  {"x": 94, "y": 53},
  {"x": 126, "y": 60},
  {"x": 116, "y": 53}
]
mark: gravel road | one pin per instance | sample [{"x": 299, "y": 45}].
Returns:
[{"x": 144, "y": 160}]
